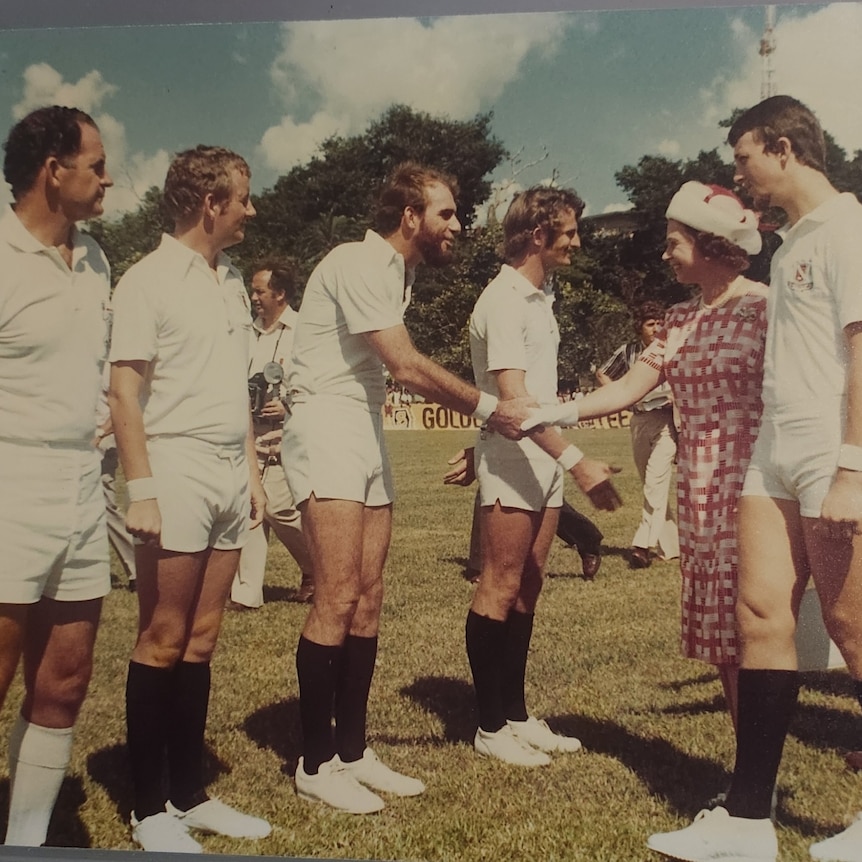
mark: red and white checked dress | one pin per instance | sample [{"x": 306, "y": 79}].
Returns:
[{"x": 713, "y": 360}]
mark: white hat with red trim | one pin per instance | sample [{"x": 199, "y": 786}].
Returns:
[{"x": 716, "y": 210}]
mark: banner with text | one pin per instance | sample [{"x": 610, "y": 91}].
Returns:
[{"x": 434, "y": 417}]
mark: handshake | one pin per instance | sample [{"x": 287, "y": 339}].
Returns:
[{"x": 565, "y": 415}]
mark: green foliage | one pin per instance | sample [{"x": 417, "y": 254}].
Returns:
[
  {"x": 134, "y": 235},
  {"x": 330, "y": 199}
]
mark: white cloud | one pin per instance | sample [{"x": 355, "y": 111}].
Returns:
[
  {"x": 44, "y": 85},
  {"x": 668, "y": 147},
  {"x": 291, "y": 143},
  {"x": 133, "y": 173},
  {"x": 354, "y": 69},
  {"x": 817, "y": 60},
  {"x": 136, "y": 175}
]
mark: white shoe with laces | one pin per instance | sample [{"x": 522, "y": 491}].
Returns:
[
  {"x": 373, "y": 772},
  {"x": 216, "y": 818},
  {"x": 335, "y": 786},
  {"x": 504, "y": 745},
  {"x": 163, "y": 833},
  {"x": 715, "y": 835},
  {"x": 846, "y": 846},
  {"x": 536, "y": 732}
]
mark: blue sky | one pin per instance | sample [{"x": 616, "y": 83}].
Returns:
[{"x": 576, "y": 95}]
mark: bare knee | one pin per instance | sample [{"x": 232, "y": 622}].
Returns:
[
  {"x": 57, "y": 694},
  {"x": 844, "y": 629},
  {"x": 767, "y": 637}
]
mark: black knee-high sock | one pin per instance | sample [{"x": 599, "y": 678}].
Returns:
[
  {"x": 767, "y": 701},
  {"x": 486, "y": 640},
  {"x": 355, "y": 670},
  {"x": 519, "y": 630},
  {"x": 148, "y": 703},
  {"x": 190, "y": 698},
  {"x": 317, "y": 672}
]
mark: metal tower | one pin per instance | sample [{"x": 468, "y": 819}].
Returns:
[{"x": 767, "y": 49}]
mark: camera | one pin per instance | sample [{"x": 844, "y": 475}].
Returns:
[{"x": 264, "y": 386}]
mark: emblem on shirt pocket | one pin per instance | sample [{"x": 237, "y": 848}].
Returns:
[{"x": 803, "y": 277}]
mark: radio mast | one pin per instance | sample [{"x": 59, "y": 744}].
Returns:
[{"x": 767, "y": 49}]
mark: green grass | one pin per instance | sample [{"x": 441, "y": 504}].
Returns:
[{"x": 604, "y": 666}]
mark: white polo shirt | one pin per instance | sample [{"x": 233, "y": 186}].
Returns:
[
  {"x": 55, "y": 325},
  {"x": 815, "y": 291},
  {"x": 513, "y": 326},
  {"x": 196, "y": 330},
  {"x": 358, "y": 287}
]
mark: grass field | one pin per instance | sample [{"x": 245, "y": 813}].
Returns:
[{"x": 604, "y": 666}]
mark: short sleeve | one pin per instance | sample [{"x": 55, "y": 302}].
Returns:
[
  {"x": 504, "y": 333},
  {"x": 370, "y": 298},
  {"x": 135, "y": 328}
]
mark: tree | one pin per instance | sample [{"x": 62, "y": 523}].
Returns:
[
  {"x": 134, "y": 235},
  {"x": 337, "y": 188}
]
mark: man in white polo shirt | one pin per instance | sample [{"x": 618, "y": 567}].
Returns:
[
  {"x": 351, "y": 327},
  {"x": 54, "y": 333},
  {"x": 179, "y": 403},
  {"x": 513, "y": 344},
  {"x": 273, "y": 285}
]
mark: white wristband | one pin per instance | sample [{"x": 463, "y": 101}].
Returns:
[
  {"x": 850, "y": 457},
  {"x": 570, "y": 456},
  {"x": 141, "y": 489},
  {"x": 486, "y": 406}
]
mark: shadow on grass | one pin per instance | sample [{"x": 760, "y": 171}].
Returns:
[
  {"x": 110, "y": 768},
  {"x": 66, "y": 828},
  {"x": 449, "y": 698},
  {"x": 276, "y": 727},
  {"x": 275, "y": 593}
]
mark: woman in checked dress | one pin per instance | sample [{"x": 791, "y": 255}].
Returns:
[{"x": 710, "y": 351}]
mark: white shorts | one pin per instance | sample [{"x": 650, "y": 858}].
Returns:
[
  {"x": 795, "y": 458},
  {"x": 507, "y": 474},
  {"x": 52, "y": 524},
  {"x": 334, "y": 448},
  {"x": 203, "y": 493}
]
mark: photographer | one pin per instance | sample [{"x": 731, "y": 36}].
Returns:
[{"x": 273, "y": 285}]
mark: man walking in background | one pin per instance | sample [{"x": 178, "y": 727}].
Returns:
[{"x": 653, "y": 444}]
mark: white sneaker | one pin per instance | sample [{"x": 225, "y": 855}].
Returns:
[
  {"x": 216, "y": 818},
  {"x": 163, "y": 833},
  {"x": 846, "y": 846},
  {"x": 539, "y": 735},
  {"x": 716, "y": 835},
  {"x": 335, "y": 786},
  {"x": 505, "y": 746},
  {"x": 371, "y": 770}
]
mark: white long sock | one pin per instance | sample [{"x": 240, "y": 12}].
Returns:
[{"x": 38, "y": 757}]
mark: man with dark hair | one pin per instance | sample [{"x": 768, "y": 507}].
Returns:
[
  {"x": 513, "y": 343},
  {"x": 54, "y": 334},
  {"x": 273, "y": 285},
  {"x": 350, "y": 327},
  {"x": 179, "y": 402},
  {"x": 800, "y": 513},
  {"x": 653, "y": 444}
]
